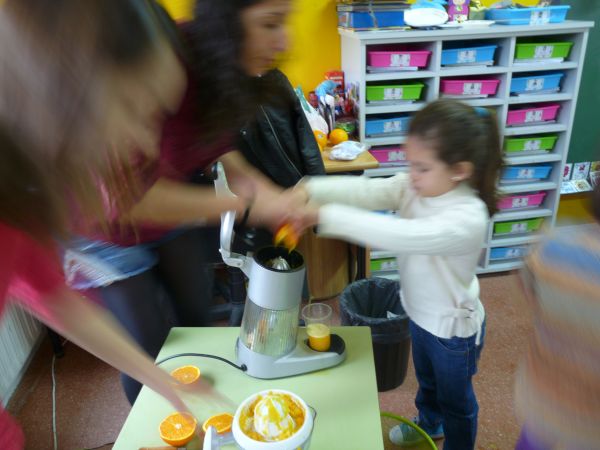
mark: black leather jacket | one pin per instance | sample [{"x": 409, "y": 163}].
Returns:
[{"x": 280, "y": 142}]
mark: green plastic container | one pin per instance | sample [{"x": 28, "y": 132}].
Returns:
[
  {"x": 384, "y": 264},
  {"x": 391, "y": 92},
  {"x": 518, "y": 226},
  {"x": 530, "y": 143},
  {"x": 542, "y": 50}
]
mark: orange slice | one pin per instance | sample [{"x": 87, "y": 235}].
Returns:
[
  {"x": 221, "y": 422},
  {"x": 286, "y": 236},
  {"x": 178, "y": 429},
  {"x": 186, "y": 374}
]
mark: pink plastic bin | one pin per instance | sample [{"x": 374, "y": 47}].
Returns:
[
  {"x": 398, "y": 58},
  {"x": 519, "y": 201},
  {"x": 532, "y": 114},
  {"x": 391, "y": 156},
  {"x": 469, "y": 87}
]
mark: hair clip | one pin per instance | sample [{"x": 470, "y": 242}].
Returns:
[{"x": 481, "y": 112}]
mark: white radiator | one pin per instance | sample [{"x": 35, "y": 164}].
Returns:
[{"x": 19, "y": 334}]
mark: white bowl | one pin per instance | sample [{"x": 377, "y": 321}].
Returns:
[{"x": 300, "y": 439}]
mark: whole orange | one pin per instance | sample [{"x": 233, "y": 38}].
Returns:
[
  {"x": 337, "y": 136},
  {"x": 321, "y": 138}
]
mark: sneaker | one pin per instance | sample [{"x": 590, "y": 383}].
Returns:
[{"x": 406, "y": 436}]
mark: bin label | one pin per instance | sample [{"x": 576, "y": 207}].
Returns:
[
  {"x": 519, "y": 227},
  {"x": 534, "y": 84},
  {"x": 534, "y": 115},
  {"x": 520, "y": 202},
  {"x": 397, "y": 155},
  {"x": 392, "y": 126},
  {"x": 539, "y": 17},
  {"x": 513, "y": 252},
  {"x": 533, "y": 144},
  {"x": 472, "y": 88},
  {"x": 395, "y": 93},
  {"x": 467, "y": 56},
  {"x": 526, "y": 172},
  {"x": 543, "y": 51},
  {"x": 399, "y": 59}
]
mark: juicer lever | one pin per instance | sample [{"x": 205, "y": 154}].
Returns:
[{"x": 227, "y": 222}]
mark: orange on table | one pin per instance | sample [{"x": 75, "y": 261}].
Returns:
[
  {"x": 337, "y": 136},
  {"x": 178, "y": 429},
  {"x": 186, "y": 374},
  {"x": 321, "y": 138},
  {"x": 221, "y": 422},
  {"x": 287, "y": 236}
]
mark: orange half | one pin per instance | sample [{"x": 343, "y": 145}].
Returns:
[
  {"x": 221, "y": 422},
  {"x": 178, "y": 429},
  {"x": 186, "y": 374},
  {"x": 287, "y": 237}
]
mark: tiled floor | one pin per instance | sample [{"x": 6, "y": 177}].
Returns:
[{"x": 91, "y": 408}]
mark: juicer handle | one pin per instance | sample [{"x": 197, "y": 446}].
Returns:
[{"x": 227, "y": 221}]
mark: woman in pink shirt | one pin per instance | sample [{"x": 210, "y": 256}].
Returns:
[{"x": 81, "y": 84}]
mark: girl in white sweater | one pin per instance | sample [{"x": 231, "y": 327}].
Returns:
[{"x": 443, "y": 207}]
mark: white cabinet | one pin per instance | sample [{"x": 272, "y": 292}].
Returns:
[{"x": 510, "y": 230}]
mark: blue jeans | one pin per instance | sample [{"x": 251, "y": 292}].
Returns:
[{"x": 444, "y": 370}]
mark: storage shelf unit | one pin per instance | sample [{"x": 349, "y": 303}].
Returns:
[{"x": 355, "y": 46}]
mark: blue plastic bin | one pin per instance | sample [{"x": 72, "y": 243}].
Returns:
[
  {"x": 525, "y": 173},
  {"x": 528, "y": 16},
  {"x": 535, "y": 83},
  {"x": 378, "y": 19},
  {"x": 501, "y": 253},
  {"x": 387, "y": 125},
  {"x": 468, "y": 55}
]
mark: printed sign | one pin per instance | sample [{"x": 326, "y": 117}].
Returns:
[
  {"x": 467, "y": 56},
  {"x": 533, "y": 144},
  {"x": 543, "y": 51},
  {"x": 400, "y": 60},
  {"x": 526, "y": 172},
  {"x": 520, "y": 202},
  {"x": 539, "y": 17},
  {"x": 534, "y": 84},
  {"x": 396, "y": 93},
  {"x": 519, "y": 227},
  {"x": 472, "y": 88},
  {"x": 534, "y": 116}
]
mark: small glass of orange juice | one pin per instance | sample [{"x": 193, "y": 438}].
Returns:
[{"x": 317, "y": 317}]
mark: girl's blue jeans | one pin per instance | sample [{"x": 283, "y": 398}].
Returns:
[{"x": 444, "y": 370}]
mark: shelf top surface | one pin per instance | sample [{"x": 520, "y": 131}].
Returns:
[{"x": 466, "y": 33}]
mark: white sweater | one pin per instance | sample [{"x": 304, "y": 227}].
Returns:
[{"x": 437, "y": 240}]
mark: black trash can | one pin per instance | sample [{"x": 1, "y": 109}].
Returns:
[{"x": 367, "y": 303}]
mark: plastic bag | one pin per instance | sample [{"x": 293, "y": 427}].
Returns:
[
  {"x": 347, "y": 150},
  {"x": 315, "y": 120}
]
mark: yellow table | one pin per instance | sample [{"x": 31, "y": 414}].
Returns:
[
  {"x": 362, "y": 162},
  {"x": 345, "y": 397}
]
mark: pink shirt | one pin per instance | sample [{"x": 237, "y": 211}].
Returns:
[
  {"x": 183, "y": 152},
  {"x": 29, "y": 272}
]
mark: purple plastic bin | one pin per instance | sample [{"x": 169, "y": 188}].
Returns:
[
  {"x": 398, "y": 58},
  {"x": 518, "y": 201},
  {"x": 532, "y": 114},
  {"x": 469, "y": 87}
]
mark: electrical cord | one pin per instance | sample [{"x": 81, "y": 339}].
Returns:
[
  {"x": 54, "y": 431},
  {"x": 243, "y": 367}
]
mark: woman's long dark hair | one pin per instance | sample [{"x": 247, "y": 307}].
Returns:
[
  {"x": 52, "y": 58},
  {"x": 215, "y": 38},
  {"x": 460, "y": 133}
]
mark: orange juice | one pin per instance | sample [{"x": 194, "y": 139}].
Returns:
[{"x": 319, "y": 336}]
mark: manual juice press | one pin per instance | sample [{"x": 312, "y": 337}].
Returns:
[{"x": 270, "y": 344}]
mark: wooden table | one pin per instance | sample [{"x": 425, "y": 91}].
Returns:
[
  {"x": 345, "y": 397},
  {"x": 362, "y": 162}
]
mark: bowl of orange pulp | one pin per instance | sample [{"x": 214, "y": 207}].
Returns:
[{"x": 274, "y": 419}]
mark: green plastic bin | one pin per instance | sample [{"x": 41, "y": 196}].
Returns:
[
  {"x": 518, "y": 226},
  {"x": 384, "y": 264},
  {"x": 391, "y": 92},
  {"x": 530, "y": 143},
  {"x": 542, "y": 50}
]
